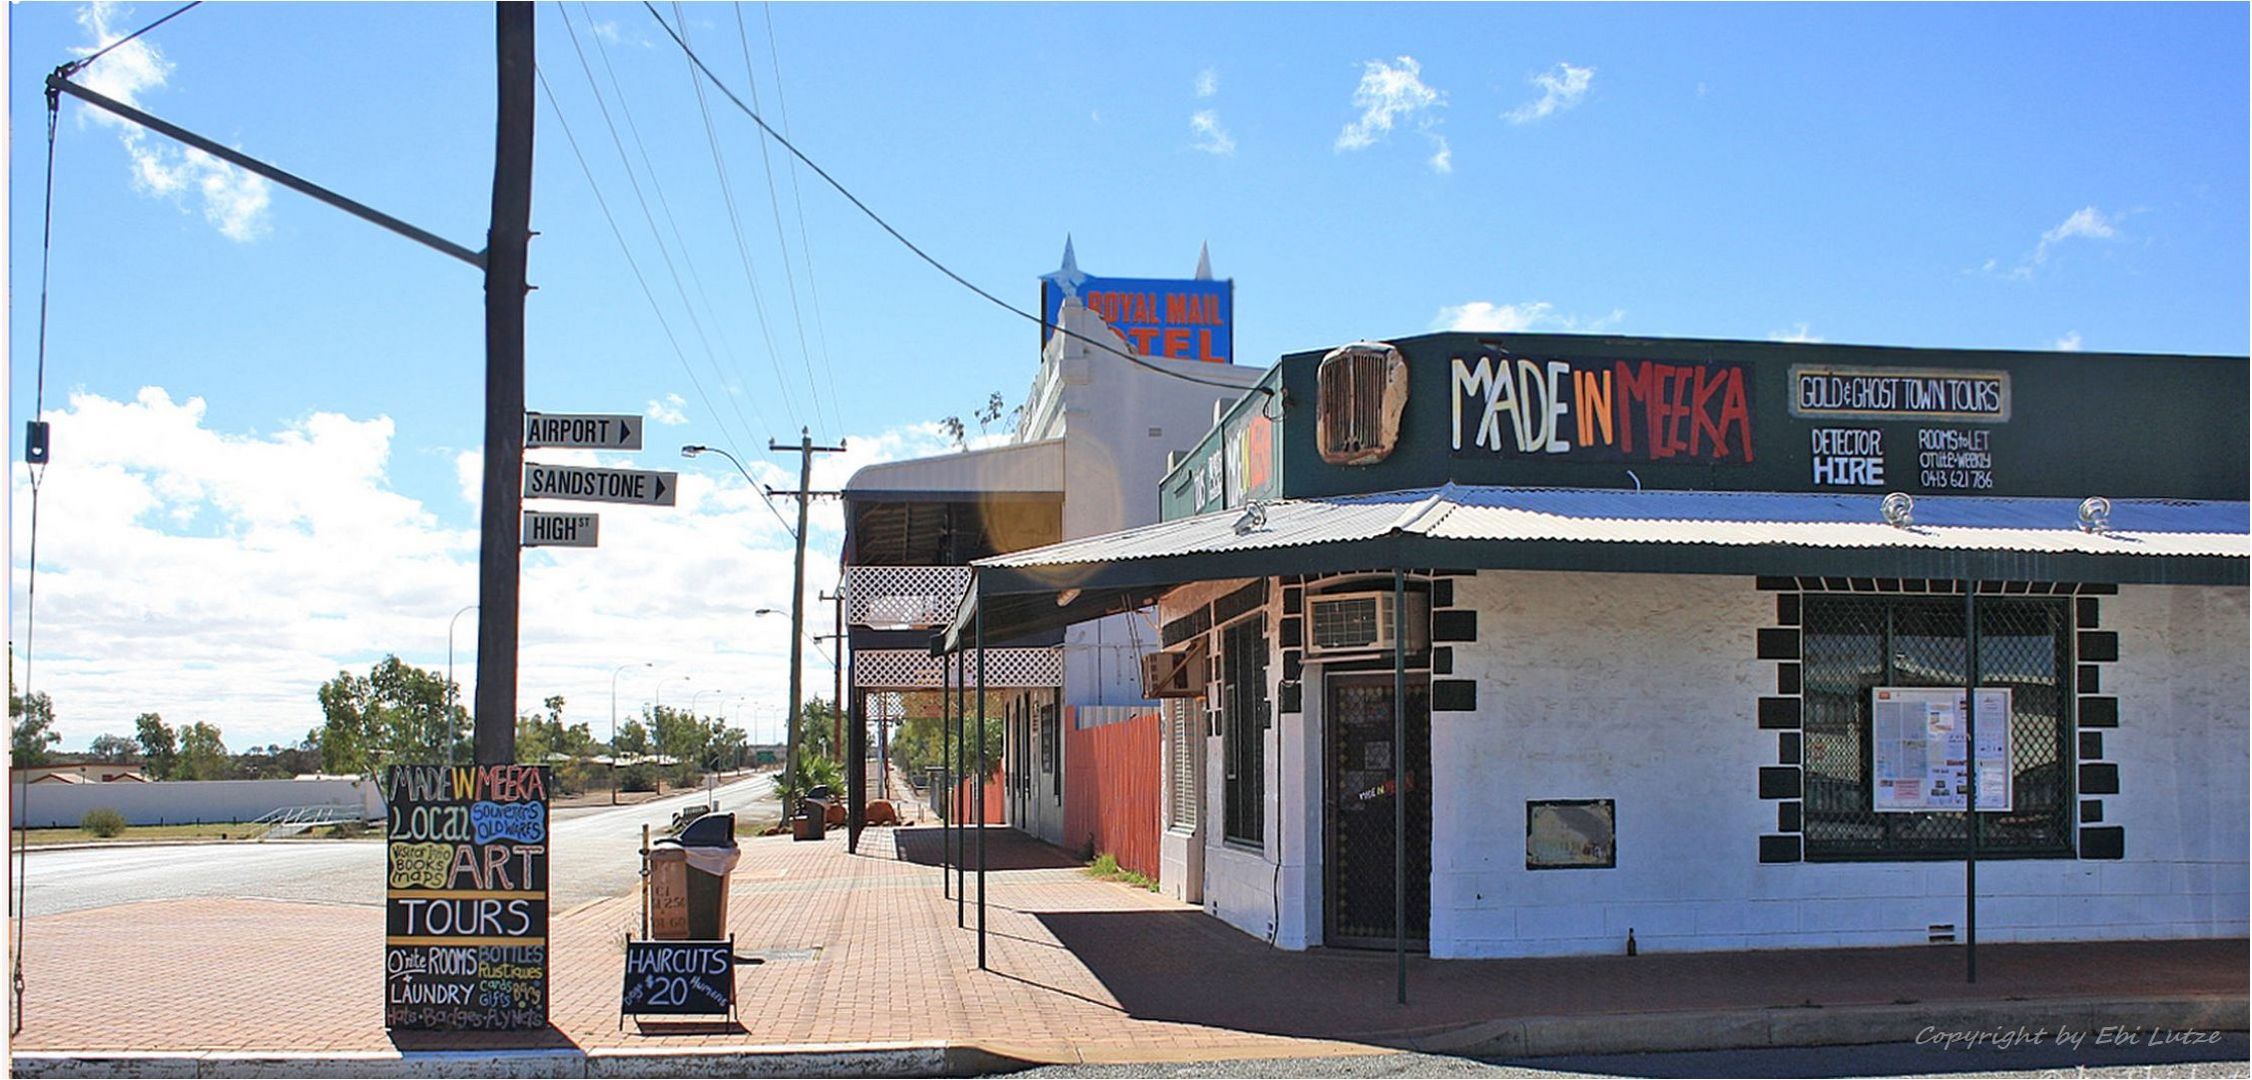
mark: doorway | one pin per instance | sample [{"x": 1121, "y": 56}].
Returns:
[{"x": 1359, "y": 807}]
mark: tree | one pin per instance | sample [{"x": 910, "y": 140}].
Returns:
[
  {"x": 203, "y": 755},
  {"x": 817, "y": 729},
  {"x": 632, "y": 738},
  {"x": 395, "y": 713},
  {"x": 34, "y": 718},
  {"x": 114, "y": 748},
  {"x": 160, "y": 754}
]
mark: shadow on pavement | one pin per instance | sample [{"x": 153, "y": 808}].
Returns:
[
  {"x": 546, "y": 1038},
  {"x": 1005, "y": 849}
]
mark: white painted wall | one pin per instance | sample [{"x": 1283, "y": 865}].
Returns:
[
  {"x": 1641, "y": 688},
  {"x": 177, "y": 801}
]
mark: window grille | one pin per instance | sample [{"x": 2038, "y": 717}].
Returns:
[
  {"x": 1243, "y": 706},
  {"x": 1854, "y": 643},
  {"x": 1184, "y": 729}
]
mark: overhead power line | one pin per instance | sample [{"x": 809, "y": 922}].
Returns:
[
  {"x": 910, "y": 244},
  {"x": 648, "y": 293},
  {"x": 797, "y": 198}
]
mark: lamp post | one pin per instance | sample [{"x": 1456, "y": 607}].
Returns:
[
  {"x": 450, "y": 740},
  {"x": 614, "y": 726}
]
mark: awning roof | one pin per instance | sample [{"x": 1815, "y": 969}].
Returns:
[{"x": 1760, "y": 533}]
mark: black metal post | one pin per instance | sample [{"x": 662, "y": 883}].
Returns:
[
  {"x": 1399, "y": 779},
  {"x": 962, "y": 766},
  {"x": 945, "y": 800},
  {"x": 500, "y": 523},
  {"x": 1971, "y": 763},
  {"x": 981, "y": 780}
]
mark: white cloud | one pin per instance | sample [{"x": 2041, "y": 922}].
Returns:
[
  {"x": 2070, "y": 342},
  {"x": 1485, "y": 317},
  {"x": 1797, "y": 332},
  {"x": 670, "y": 411},
  {"x": 1210, "y": 136},
  {"x": 1560, "y": 89},
  {"x": 2086, "y": 223},
  {"x": 1388, "y": 95},
  {"x": 219, "y": 576},
  {"x": 1442, "y": 159},
  {"x": 234, "y": 201},
  {"x": 1207, "y": 82}
]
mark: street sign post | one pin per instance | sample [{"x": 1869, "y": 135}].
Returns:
[
  {"x": 587, "y": 483},
  {"x": 543, "y": 529},
  {"x": 584, "y": 431}
]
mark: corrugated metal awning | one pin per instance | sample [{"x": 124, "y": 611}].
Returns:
[{"x": 1770, "y": 533}]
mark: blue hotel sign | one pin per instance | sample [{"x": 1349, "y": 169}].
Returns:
[{"x": 1176, "y": 319}]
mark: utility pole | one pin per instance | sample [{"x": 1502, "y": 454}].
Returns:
[
  {"x": 500, "y": 523},
  {"x": 804, "y": 494}
]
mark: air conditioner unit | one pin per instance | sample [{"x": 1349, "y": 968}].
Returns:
[
  {"x": 1361, "y": 624},
  {"x": 1172, "y": 673}
]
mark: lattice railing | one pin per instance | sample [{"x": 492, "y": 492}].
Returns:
[
  {"x": 904, "y": 596},
  {"x": 916, "y": 669}
]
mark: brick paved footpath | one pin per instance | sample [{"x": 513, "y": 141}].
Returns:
[{"x": 863, "y": 950}]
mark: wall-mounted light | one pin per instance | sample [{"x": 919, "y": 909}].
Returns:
[
  {"x": 2095, "y": 514},
  {"x": 1254, "y": 517},
  {"x": 1899, "y": 509},
  {"x": 1064, "y": 598}
]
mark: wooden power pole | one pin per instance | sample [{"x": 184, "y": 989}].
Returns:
[
  {"x": 500, "y": 522},
  {"x": 804, "y": 494}
]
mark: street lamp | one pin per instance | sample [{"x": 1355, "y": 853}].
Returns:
[
  {"x": 661, "y": 687},
  {"x": 692, "y": 698},
  {"x": 614, "y": 726},
  {"x": 450, "y": 740}
]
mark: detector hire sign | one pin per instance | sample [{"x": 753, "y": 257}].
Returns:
[{"x": 588, "y": 483}]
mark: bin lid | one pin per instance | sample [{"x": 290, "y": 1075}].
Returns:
[{"x": 711, "y": 830}]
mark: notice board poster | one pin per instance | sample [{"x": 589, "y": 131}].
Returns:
[
  {"x": 1920, "y": 754},
  {"x": 465, "y": 938}
]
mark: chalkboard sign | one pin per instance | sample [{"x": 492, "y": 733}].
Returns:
[
  {"x": 679, "y": 978},
  {"x": 465, "y": 945}
]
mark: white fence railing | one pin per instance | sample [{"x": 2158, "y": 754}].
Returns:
[{"x": 913, "y": 597}]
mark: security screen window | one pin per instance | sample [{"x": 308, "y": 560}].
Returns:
[
  {"x": 1852, "y": 644},
  {"x": 1243, "y": 705}
]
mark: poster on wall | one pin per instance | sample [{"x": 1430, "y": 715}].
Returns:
[
  {"x": 465, "y": 945},
  {"x": 1919, "y": 753},
  {"x": 1567, "y": 833}
]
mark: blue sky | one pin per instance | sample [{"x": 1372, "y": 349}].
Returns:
[{"x": 288, "y": 500}]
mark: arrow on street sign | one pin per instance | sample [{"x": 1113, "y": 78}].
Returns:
[
  {"x": 542, "y": 529},
  {"x": 590, "y": 484},
  {"x": 587, "y": 431}
]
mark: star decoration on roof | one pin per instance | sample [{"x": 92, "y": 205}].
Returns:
[{"x": 1067, "y": 277}]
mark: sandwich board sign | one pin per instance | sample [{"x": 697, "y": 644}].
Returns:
[
  {"x": 582, "y": 431},
  {"x": 588, "y": 483}
]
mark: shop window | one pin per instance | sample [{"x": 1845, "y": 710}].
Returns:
[
  {"x": 1244, "y": 714},
  {"x": 1853, "y": 644},
  {"x": 1361, "y": 390},
  {"x": 1050, "y": 734}
]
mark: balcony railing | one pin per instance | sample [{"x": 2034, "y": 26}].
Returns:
[{"x": 904, "y": 597}]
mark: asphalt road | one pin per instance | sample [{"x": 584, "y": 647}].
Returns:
[
  {"x": 594, "y": 852},
  {"x": 2227, "y": 1057}
]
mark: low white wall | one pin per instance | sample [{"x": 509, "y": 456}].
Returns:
[{"x": 175, "y": 801}]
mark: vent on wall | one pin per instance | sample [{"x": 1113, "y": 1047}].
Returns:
[
  {"x": 1942, "y": 933},
  {"x": 1362, "y": 391}
]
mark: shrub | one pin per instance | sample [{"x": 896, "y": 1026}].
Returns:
[
  {"x": 640, "y": 776},
  {"x": 103, "y": 822}
]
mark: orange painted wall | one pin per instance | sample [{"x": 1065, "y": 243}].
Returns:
[
  {"x": 1111, "y": 789},
  {"x": 996, "y": 799}
]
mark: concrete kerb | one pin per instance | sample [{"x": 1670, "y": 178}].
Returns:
[
  {"x": 1796, "y": 1026},
  {"x": 877, "y": 1060},
  {"x": 1545, "y": 1036}
]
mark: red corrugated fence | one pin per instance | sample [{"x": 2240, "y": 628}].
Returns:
[{"x": 1111, "y": 789}]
